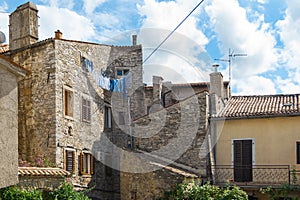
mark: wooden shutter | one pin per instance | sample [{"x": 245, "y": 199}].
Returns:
[
  {"x": 81, "y": 167},
  {"x": 86, "y": 110},
  {"x": 247, "y": 160},
  {"x": 70, "y": 103},
  {"x": 92, "y": 160},
  {"x": 243, "y": 160},
  {"x": 70, "y": 161},
  {"x": 298, "y": 152},
  {"x": 66, "y": 102},
  {"x": 238, "y": 174}
]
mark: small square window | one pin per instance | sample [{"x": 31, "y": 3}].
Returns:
[
  {"x": 122, "y": 72},
  {"x": 119, "y": 72}
]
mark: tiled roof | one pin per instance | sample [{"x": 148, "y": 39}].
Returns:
[
  {"x": 39, "y": 171},
  {"x": 261, "y": 106},
  {"x": 4, "y": 48},
  {"x": 176, "y": 170}
]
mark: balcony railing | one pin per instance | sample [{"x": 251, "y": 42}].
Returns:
[{"x": 256, "y": 175}]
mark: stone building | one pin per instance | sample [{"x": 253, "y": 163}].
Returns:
[
  {"x": 10, "y": 74},
  {"x": 96, "y": 134},
  {"x": 63, "y": 113},
  {"x": 172, "y": 137}
]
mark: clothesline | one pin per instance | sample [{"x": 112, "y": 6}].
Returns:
[{"x": 115, "y": 85}]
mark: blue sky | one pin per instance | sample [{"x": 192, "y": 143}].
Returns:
[{"x": 266, "y": 30}]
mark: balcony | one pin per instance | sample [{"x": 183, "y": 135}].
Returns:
[{"x": 254, "y": 176}]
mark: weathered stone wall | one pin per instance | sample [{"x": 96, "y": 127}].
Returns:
[
  {"x": 37, "y": 102},
  {"x": 8, "y": 128},
  {"x": 175, "y": 128},
  {"x": 151, "y": 185},
  {"x": 23, "y": 26},
  {"x": 40, "y": 182}
]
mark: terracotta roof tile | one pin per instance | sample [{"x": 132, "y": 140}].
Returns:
[
  {"x": 38, "y": 171},
  {"x": 4, "y": 48},
  {"x": 261, "y": 106}
]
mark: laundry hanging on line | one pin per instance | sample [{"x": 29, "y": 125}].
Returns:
[{"x": 114, "y": 85}]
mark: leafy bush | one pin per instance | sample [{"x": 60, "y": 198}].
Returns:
[
  {"x": 64, "y": 192},
  {"x": 195, "y": 191},
  {"x": 13, "y": 192}
]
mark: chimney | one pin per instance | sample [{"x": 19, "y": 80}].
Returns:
[
  {"x": 157, "y": 89},
  {"x": 134, "y": 40},
  {"x": 216, "y": 82},
  {"x": 58, "y": 34},
  {"x": 23, "y": 26}
]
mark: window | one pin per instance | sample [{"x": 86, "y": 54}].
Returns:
[
  {"x": 68, "y": 102},
  {"x": 86, "y": 164},
  {"x": 242, "y": 150},
  {"x": 122, "y": 72},
  {"x": 298, "y": 152},
  {"x": 107, "y": 117},
  {"x": 86, "y": 110},
  {"x": 70, "y": 161}
]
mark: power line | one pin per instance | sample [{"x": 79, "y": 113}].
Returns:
[{"x": 173, "y": 31}]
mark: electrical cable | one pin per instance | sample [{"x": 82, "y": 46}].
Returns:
[{"x": 172, "y": 32}]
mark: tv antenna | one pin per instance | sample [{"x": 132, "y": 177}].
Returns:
[{"x": 231, "y": 56}]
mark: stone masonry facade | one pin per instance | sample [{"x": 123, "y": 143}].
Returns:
[{"x": 165, "y": 122}]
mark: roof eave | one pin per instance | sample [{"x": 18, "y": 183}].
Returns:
[{"x": 254, "y": 117}]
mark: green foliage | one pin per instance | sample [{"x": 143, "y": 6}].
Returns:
[
  {"x": 13, "y": 192},
  {"x": 284, "y": 191},
  {"x": 64, "y": 192},
  {"x": 195, "y": 191}
]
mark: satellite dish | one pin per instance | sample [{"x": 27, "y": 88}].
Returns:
[{"x": 2, "y": 37}]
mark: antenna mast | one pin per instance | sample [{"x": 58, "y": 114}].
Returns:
[{"x": 231, "y": 56}]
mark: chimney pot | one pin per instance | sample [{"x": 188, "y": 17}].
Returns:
[
  {"x": 215, "y": 66},
  {"x": 134, "y": 40},
  {"x": 58, "y": 34}
]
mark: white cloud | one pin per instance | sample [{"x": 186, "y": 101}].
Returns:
[
  {"x": 235, "y": 31},
  {"x": 254, "y": 85},
  {"x": 91, "y": 5},
  {"x": 3, "y": 7},
  {"x": 72, "y": 25},
  {"x": 178, "y": 56},
  {"x": 289, "y": 35},
  {"x": 167, "y": 15},
  {"x": 59, "y": 3}
]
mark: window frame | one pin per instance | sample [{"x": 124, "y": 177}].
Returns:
[
  {"x": 86, "y": 109},
  {"x": 86, "y": 163},
  {"x": 68, "y": 102},
  {"x": 124, "y": 71},
  {"x": 73, "y": 160},
  {"x": 107, "y": 117},
  {"x": 297, "y": 152}
]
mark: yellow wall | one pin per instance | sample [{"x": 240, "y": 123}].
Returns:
[{"x": 275, "y": 139}]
